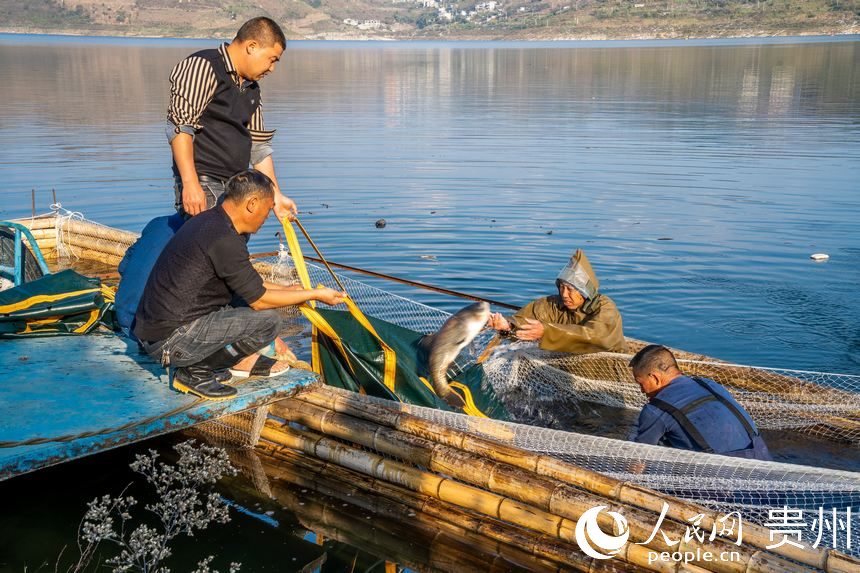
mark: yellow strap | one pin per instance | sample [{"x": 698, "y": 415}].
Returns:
[
  {"x": 470, "y": 408},
  {"x": 388, "y": 353},
  {"x": 28, "y": 302},
  {"x": 298, "y": 257},
  {"x": 320, "y": 324},
  {"x": 316, "y": 365},
  {"x": 94, "y": 316},
  {"x": 109, "y": 293},
  {"x": 390, "y": 357},
  {"x": 305, "y": 280}
]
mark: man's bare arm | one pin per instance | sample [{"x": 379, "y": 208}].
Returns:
[
  {"x": 193, "y": 199},
  {"x": 279, "y": 297}
]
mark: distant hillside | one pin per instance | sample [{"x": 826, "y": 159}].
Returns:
[{"x": 430, "y": 19}]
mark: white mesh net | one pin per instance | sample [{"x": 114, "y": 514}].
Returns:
[
  {"x": 828, "y": 500},
  {"x": 812, "y": 403}
]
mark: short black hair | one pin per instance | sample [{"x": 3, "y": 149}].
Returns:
[
  {"x": 264, "y": 30},
  {"x": 247, "y": 183},
  {"x": 653, "y": 357}
]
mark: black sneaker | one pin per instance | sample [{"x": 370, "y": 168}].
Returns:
[
  {"x": 223, "y": 375},
  {"x": 201, "y": 381}
]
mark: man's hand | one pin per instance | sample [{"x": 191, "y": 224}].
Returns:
[
  {"x": 193, "y": 198},
  {"x": 285, "y": 207},
  {"x": 498, "y": 322},
  {"x": 532, "y": 330},
  {"x": 329, "y": 296}
]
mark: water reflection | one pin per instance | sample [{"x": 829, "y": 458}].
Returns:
[
  {"x": 493, "y": 161},
  {"x": 108, "y": 86}
]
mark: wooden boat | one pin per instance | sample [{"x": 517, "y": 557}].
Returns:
[
  {"x": 521, "y": 504},
  {"x": 49, "y": 383}
]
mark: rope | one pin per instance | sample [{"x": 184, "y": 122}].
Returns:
[
  {"x": 319, "y": 254},
  {"x": 63, "y": 217},
  {"x": 400, "y": 280}
]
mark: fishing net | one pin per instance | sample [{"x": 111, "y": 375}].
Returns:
[
  {"x": 824, "y": 503},
  {"x": 812, "y": 403},
  {"x": 237, "y": 431}
]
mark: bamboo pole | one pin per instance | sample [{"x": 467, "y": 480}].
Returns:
[
  {"x": 39, "y": 234},
  {"x": 87, "y": 229},
  {"x": 95, "y": 244},
  {"x": 81, "y": 234},
  {"x": 413, "y": 479},
  {"x": 406, "y": 518},
  {"x": 86, "y": 247},
  {"x": 46, "y": 245},
  {"x": 40, "y": 222},
  {"x": 404, "y": 541},
  {"x": 513, "y": 542},
  {"x": 491, "y": 504},
  {"x": 624, "y": 492},
  {"x": 549, "y": 495}
]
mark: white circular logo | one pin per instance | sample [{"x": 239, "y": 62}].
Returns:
[{"x": 593, "y": 541}]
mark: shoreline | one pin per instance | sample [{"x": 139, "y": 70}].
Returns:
[{"x": 656, "y": 36}]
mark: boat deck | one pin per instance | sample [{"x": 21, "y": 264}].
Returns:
[{"x": 66, "y": 397}]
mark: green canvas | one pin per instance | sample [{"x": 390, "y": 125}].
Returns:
[{"x": 363, "y": 367}]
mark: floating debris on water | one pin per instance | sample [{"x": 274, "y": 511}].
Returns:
[
  {"x": 429, "y": 257},
  {"x": 664, "y": 239},
  {"x": 380, "y": 224},
  {"x": 819, "y": 256}
]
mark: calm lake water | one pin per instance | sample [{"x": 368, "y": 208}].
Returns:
[{"x": 698, "y": 176}]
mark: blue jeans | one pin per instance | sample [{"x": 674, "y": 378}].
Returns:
[
  {"x": 213, "y": 189},
  {"x": 242, "y": 331}
]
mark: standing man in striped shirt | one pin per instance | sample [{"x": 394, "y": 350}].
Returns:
[{"x": 215, "y": 119}]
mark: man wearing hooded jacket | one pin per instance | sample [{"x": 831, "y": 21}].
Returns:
[{"x": 578, "y": 319}]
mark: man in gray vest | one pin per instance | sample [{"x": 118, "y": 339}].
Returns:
[{"x": 215, "y": 118}]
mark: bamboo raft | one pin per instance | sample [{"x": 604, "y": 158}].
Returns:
[
  {"x": 518, "y": 507},
  {"x": 538, "y": 493}
]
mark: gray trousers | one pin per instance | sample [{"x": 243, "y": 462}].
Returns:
[
  {"x": 213, "y": 189},
  {"x": 243, "y": 329}
]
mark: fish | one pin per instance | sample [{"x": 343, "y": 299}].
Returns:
[{"x": 443, "y": 347}]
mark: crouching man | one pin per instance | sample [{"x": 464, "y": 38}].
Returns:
[
  {"x": 189, "y": 317},
  {"x": 689, "y": 412}
]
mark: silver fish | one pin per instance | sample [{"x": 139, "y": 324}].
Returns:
[{"x": 442, "y": 348}]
